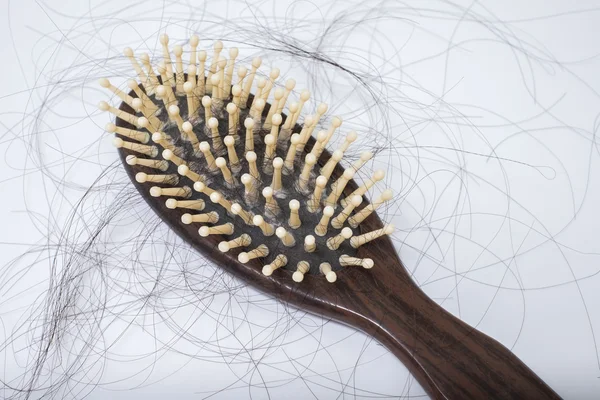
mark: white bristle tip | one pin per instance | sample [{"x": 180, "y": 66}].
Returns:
[
  {"x": 171, "y": 203},
  {"x": 224, "y": 247},
  {"x": 229, "y": 141},
  {"x": 267, "y": 270}
]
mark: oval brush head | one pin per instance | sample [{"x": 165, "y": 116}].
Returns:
[{"x": 232, "y": 164}]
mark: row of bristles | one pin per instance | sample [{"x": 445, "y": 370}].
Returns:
[{"x": 218, "y": 81}]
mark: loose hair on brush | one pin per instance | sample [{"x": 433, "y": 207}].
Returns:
[{"x": 139, "y": 276}]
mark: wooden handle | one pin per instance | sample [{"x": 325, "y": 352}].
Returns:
[{"x": 449, "y": 358}]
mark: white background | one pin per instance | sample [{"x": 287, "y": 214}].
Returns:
[{"x": 486, "y": 127}]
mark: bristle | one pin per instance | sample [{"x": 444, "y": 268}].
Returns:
[
  {"x": 270, "y": 145},
  {"x": 294, "y": 220},
  {"x": 236, "y": 94},
  {"x": 167, "y": 179},
  {"x": 277, "y": 167},
  {"x": 365, "y": 156},
  {"x": 273, "y": 75},
  {"x": 336, "y": 122},
  {"x": 330, "y": 275},
  {"x": 277, "y": 263},
  {"x": 321, "y": 228},
  {"x": 347, "y": 261},
  {"x": 334, "y": 242},
  {"x": 301, "y": 269},
  {"x": 286, "y": 129},
  {"x": 179, "y": 77},
  {"x": 143, "y": 122},
  {"x": 192, "y": 100},
  {"x": 277, "y": 95},
  {"x": 357, "y": 241},
  {"x": 250, "y": 190},
  {"x": 170, "y": 156},
  {"x": 222, "y": 64},
  {"x": 260, "y": 86},
  {"x": 183, "y": 192},
  {"x": 174, "y": 115},
  {"x": 151, "y": 82},
  {"x": 304, "y": 97},
  {"x": 319, "y": 144},
  {"x": 309, "y": 163},
  {"x": 310, "y": 244},
  {"x": 266, "y": 228},
  {"x": 260, "y": 251},
  {"x": 252, "y": 167},
  {"x": 232, "y": 110},
  {"x": 234, "y": 161},
  {"x": 218, "y": 198},
  {"x": 184, "y": 170},
  {"x": 256, "y": 112},
  {"x": 236, "y": 209},
  {"x": 224, "y": 229},
  {"x": 188, "y": 134},
  {"x": 136, "y": 66},
  {"x": 249, "y": 143},
  {"x": 291, "y": 154},
  {"x": 241, "y": 74},
  {"x": 215, "y": 81},
  {"x": 286, "y": 238},
  {"x": 151, "y": 151},
  {"x": 207, "y": 104},
  {"x": 218, "y": 46},
  {"x": 290, "y": 84},
  {"x": 138, "y": 136},
  {"x": 256, "y": 62},
  {"x": 164, "y": 41},
  {"x": 194, "y": 41},
  {"x": 275, "y": 123},
  {"x": 148, "y": 163},
  {"x": 305, "y": 133},
  {"x": 360, "y": 216},
  {"x": 210, "y": 217},
  {"x": 271, "y": 206},
  {"x": 105, "y": 83},
  {"x": 125, "y": 116},
  {"x": 314, "y": 201},
  {"x": 165, "y": 92},
  {"x": 203, "y": 188},
  {"x": 233, "y": 53},
  {"x": 217, "y": 142},
  {"x": 350, "y": 138},
  {"x": 377, "y": 176},
  {"x": 339, "y": 220},
  {"x": 149, "y": 107},
  {"x": 201, "y": 84},
  {"x": 241, "y": 241},
  {"x": 321, "y": 110},
  {"x": 164, "y": 140},
  {"x": 328, "y": 168},
  {"x": 187, "y": 204},
  {"x": 338, "y": 187}
]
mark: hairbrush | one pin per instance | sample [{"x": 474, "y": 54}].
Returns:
[{"x": 231, "y": 164}]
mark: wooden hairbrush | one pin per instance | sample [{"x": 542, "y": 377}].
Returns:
[{"x": 257, "y": 192}]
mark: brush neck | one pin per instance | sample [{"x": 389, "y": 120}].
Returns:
[{"x": 449, "y": 358}]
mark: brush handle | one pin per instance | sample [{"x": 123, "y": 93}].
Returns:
[{"x": 450, "y": 359}]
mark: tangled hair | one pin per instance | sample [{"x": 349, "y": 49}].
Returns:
[{"x": 486, "y": 128}]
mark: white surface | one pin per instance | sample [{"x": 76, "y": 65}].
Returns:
[{"x": 487, "y": 122}]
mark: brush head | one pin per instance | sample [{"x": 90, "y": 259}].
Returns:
[{"x": 200, "y": 133}]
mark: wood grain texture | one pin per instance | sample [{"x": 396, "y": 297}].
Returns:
[{"x": 450, "y": 359}]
